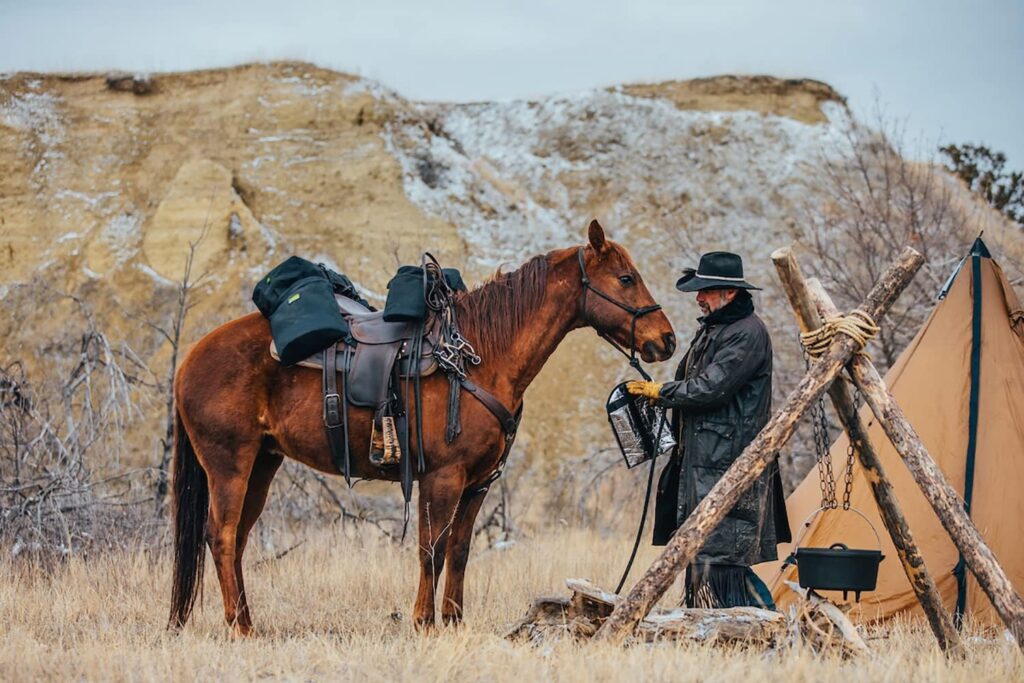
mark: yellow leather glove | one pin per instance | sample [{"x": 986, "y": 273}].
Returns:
[{"x": 640, "y": 388}]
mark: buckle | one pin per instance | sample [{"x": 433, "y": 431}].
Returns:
[{"x": 332, "y": 410}]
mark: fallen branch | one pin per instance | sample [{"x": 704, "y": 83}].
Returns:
[
  {"x": 824, "y": 626},
  {"x": 816, "y": 623}
]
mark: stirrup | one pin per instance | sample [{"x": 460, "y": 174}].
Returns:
[{"x": 385, "y": 450}]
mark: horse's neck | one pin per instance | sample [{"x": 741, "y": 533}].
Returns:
[{"x": 543, "y": 330}]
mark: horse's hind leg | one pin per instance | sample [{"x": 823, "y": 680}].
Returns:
[
  {"x": 262, "y": 475},
  {"x": 458, "y": 556},
  {"x": 228, "y": 471}
]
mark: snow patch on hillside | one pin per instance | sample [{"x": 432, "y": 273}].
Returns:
[
  {"x": 38, "y": 115},
  {"x": 123, "y": 234},
  {"x": 304, "y": 85},
  {"x": 366, "y": 86},
  {"x": 519, "y": 178}
]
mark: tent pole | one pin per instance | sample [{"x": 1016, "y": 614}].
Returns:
[
  {"x": 756, "y": 457},
  {"x": 947, "y": 503},
  {"x": 797, "y": 289}
]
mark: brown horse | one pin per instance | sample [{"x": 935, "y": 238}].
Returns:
[{"x": 240, "y": 412}]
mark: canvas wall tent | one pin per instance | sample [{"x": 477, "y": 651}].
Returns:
[{"x": 978, "y": 324}]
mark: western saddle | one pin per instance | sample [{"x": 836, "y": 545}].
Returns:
[
  {"x": 384, "y": 354},
  {"x": 381, "y": 347}
]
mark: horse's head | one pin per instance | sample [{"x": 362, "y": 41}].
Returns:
[{"x": 617, "y": 303}]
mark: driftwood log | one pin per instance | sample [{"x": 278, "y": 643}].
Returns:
[
  {"x": 815, "y": 622},
  {"x": 762, "y": 451},
  {"x": 580, "y": 615},
  {"x": 944, "y": 499},
  {"x": 796, "y": 288}
]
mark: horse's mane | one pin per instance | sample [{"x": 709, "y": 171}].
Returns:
[{"x": 491, "y": 314}]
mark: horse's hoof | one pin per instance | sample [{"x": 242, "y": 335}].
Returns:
[
  {"x": 424, "y": 624},
  {"x": 451, "y": 620},
  {"x": 240, "y": 631}
]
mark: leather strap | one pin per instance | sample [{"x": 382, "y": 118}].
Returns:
[
  {"x": 509, "y": 423},
  {"x": 335, "y": 413}
]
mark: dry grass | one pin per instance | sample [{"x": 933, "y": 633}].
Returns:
[{"x": 337, "y": 608}]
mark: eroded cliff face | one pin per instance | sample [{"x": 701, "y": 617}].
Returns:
[{"x": 104, "y": 184}]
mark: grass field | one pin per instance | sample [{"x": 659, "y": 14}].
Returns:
[{"x": 336, "y": 607}]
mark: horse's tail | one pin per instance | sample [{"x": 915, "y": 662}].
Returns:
[{"x": 191, "y": 508}]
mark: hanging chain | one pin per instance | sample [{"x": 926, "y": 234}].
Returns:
[
  {"x": 826, "y": 476},
  {"x": 848, "y": 483},
  {"x": 824, "y": 456}
]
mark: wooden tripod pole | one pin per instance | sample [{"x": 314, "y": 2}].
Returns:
[
  {"x": 756, "y": 457},
  {"x": 948, "y": 637},
  {"x": 944, "y": 499}
]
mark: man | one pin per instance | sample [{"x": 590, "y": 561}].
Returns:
[{"x": 720, "y": 400}]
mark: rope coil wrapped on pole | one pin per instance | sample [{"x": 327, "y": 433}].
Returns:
[{"x": 856, "y": 324}]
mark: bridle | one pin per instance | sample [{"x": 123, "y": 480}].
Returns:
[{"x": 636, "y": 314}]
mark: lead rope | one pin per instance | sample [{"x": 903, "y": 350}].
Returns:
[
  {"x": 634, "y": 362},
  {"x": 652, "y": 449}
]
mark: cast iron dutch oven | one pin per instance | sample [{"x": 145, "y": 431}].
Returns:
[{"x": 838, "y": 567}]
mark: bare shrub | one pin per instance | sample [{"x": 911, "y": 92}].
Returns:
[
  {"x": 303, "y": 499},
  {"x": 598, "y": 491},
  {"x": 52, "y": 431},
  {"x": 875, "y": 204},
  {"x": 171, "y": 330}
]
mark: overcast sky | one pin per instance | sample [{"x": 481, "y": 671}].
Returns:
[{"x": 951, "y": 71}]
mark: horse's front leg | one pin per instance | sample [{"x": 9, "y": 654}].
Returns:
[
  {"x": 439, "y": 496},
  {"x": 458, "y": 555}
]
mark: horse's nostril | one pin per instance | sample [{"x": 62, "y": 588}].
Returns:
[{"x": 670, "y": 343}]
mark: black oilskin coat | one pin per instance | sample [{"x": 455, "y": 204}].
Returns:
[{"x": 720, "y": 401}]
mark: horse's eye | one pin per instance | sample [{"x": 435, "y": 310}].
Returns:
[{"x": 627, "y": 280}]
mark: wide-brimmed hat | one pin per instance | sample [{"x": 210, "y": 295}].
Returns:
[{"x": 716, "y": 270}]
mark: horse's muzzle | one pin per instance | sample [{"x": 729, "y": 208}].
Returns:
[{"x": 652, "y": 351}]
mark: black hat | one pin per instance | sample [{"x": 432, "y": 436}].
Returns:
[{"x": 716, "y": 270}]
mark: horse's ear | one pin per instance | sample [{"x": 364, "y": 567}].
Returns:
[{"x": 596, "y": 235}]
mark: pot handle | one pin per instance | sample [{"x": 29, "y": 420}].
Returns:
[{"x": 810, "y": 518}]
